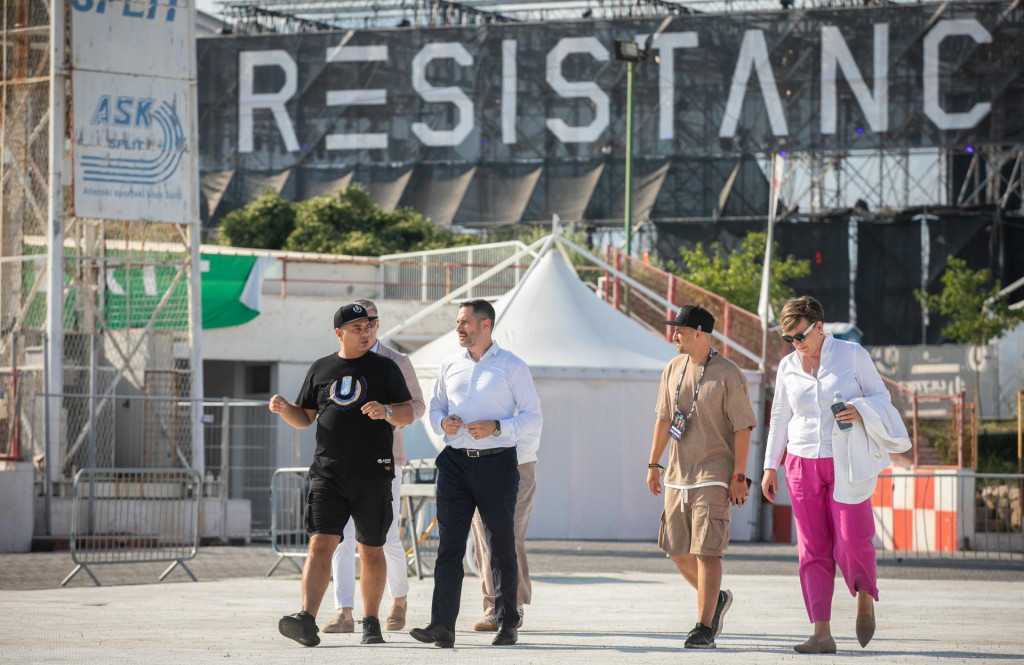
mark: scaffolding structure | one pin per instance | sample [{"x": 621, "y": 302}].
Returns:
[
  {"x": 91, "y": 310},
  {"x": 886, "y": 175},
  {"x": 362, "y": 14}
]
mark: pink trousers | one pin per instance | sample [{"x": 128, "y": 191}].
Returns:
[{"x": 829, "y": 533}]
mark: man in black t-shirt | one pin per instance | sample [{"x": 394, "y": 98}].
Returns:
[{"x": 356, "y": 398}]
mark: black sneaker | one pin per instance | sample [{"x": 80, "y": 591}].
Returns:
[
  {"x": 371, "y": 631},
  {"x": 701, "y": 637},
  {"x": 300, "y": 627},
  {"x": 724, "y": 603}
]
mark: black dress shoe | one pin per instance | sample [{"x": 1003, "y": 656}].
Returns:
[
  {"x": 506, "y": 637},
  {"x": 436, "y": 633}
]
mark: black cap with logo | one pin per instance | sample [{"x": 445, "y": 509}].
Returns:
[
  {"x": 693, "y": 316},
  {"x": 349, "y": 313}
]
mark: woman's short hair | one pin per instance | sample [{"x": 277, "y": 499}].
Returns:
[{"x": 800, "y": 307}]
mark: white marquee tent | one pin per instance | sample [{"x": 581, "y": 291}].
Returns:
[{"x": 597, "y": 373}]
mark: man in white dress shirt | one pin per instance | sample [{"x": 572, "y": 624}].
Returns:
[{"x": 484, "y": 403}]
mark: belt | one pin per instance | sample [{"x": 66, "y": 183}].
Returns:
[{"x": 469, "y": 452}]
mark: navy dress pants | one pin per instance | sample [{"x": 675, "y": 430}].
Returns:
[{"x": 464, "y": 484}]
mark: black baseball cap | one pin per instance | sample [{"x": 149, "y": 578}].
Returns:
[
  {"x": 693, "y": 316},
  {"x": 349, "y": 313}
]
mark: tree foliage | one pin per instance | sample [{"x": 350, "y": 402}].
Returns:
[
  {"x": 265, "y": 223},
  {"x": 348, "y": 223},
  {"x": 977, "y": 315},
  {"x": 736, "y": 276}
]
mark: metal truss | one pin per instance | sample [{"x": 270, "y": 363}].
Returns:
[
  {"x": 305, "y": 15},
  {"x": 896, "y": 179},
  {"x": 995, "y": 175},
  {"x": 258, "y": 16},
  {"x": 94, "y": 352}
]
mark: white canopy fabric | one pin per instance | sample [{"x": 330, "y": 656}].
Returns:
[
  {"x": 597, "y": 373},
  {"x": 559, "y": 326}
]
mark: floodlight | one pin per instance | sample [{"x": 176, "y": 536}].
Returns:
[{"x": 627, "y": 51}]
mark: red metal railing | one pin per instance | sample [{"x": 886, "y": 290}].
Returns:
[{"x": 736, "y": 323}]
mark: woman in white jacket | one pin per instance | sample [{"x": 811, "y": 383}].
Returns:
[{"x": 829, "y": 530}]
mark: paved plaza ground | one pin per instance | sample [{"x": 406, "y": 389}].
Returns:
[{"x": 593, "y": 603}]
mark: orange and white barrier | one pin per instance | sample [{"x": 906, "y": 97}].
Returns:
[{"x": 920, "y": 510}]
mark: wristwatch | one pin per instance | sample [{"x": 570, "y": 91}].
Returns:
[
  {"x": 388, "y": 412},
  {"x": 739, "y": 477},
  {"x": 497, "y": 428}
]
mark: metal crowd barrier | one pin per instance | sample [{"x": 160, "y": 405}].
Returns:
[
  {"x": 419, "y": 516},
  {"x": 134, "y": 516},
  {"x": 289, "y": 488},
  {"x": 956, "y": 514}
]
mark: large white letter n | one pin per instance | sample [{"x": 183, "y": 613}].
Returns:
[{"x": 249, "y": 101}]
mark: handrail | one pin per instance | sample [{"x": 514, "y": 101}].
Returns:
[
  {"x": 464, "y": 248},
  {"x": 438, "y": 304},
  {"x": 652, "y": 295}
]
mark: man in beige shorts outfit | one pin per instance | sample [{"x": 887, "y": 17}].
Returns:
[
  {"x": 526, "y": 453},
  {"x": 704, "y": 419}
]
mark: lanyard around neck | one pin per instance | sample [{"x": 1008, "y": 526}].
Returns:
[{"x": 696, "y": 389}]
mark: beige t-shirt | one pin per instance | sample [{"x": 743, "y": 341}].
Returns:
[{"x": 705, "y": 453}]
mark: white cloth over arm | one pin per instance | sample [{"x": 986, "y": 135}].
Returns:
[{"x": 862, "y": 452}]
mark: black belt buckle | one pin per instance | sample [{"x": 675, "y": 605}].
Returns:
[{"x": 472, "y": 453}]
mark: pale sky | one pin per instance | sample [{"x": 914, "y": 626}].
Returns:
[{"x": 208, "y": 6}]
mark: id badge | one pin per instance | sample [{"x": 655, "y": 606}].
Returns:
[{"x": 678, "y": 426}]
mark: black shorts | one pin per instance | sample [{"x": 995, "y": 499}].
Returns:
[{"x": 332, "y": 501}]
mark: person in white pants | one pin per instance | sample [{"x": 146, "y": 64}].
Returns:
[{"x": 343, "y": 565}]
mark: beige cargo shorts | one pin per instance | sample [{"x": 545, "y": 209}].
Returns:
[{"x": 700, "y": 526}]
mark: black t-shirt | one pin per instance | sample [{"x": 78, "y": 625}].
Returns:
[{"x": 348, "y": 443}]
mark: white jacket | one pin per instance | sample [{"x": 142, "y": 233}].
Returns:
[{"x": 862, "y": 452}]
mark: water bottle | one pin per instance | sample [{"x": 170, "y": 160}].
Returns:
[{"x": 837, "y": 406}]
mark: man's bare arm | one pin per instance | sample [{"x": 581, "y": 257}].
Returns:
[{"x": 293, "y": 414}]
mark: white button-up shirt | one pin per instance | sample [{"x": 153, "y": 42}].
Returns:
[
  {"x": 498, "y": 387},
  {"x": 802, "y": 419}
]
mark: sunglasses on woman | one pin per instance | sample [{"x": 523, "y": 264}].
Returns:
[{"x": 799, "y": 337}]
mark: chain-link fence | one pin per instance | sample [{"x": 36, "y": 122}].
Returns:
[{"x": 24, "y": 201}]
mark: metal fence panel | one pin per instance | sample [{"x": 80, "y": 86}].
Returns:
[
  {"x": 134, "y": 516},
  {"x": 288, "y": 538},
  {"x": 417, "y": 526},
  {"x": 949, "y": 515},
  {"x": 242, "y": 455}
]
